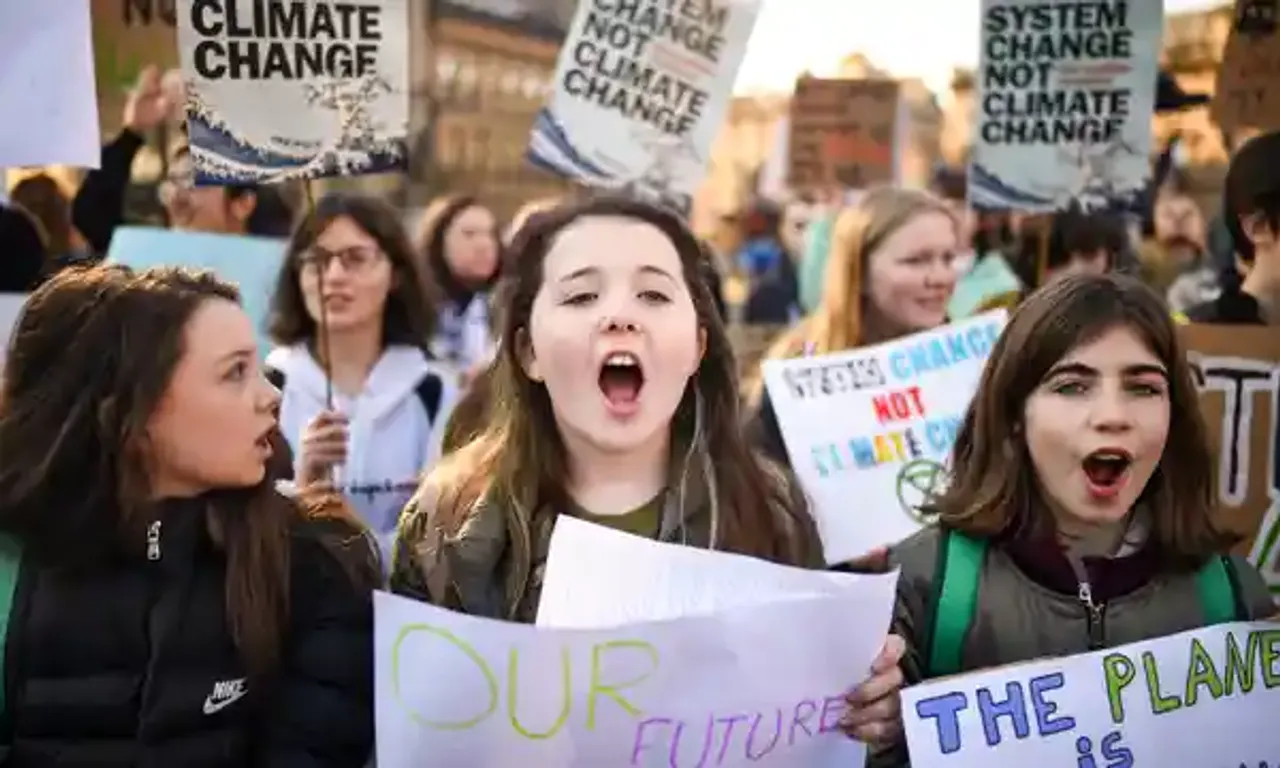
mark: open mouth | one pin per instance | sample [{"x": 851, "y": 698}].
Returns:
[
  {"x": 263, "y": 442},
  {"x": 621, "y": 379},
  {"x": 1106, "y": 469}
]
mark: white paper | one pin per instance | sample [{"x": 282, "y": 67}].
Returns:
[
  {"x": 273, "y": 117},
  {"x": 48, "y": 98},
  {"x": 1202, "y": 699},
  {"x": 1029, "y": 74},
  {"x": 597, "y": 577},
  {"x": 640, "y": 93},
  {"x": 757, "y": 686}
]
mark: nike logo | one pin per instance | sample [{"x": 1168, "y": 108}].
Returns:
[{"x": 225, "y": 693}]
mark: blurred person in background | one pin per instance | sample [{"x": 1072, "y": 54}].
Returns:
[
  {"x": 99, "y": 205},
  {"x": 982, "y": 272},
  {"x": 458, "y": 255},
  {"x": 22, "y": 250},
  {"x": 891, "y": 273},
  {"x": 42, "y": 196},
  {"x": 1250, "y": 292},
  {"x": 1175, "y": 258},
  {"x": 772, "y": 287},
  {"x": 351, "y": 263}
]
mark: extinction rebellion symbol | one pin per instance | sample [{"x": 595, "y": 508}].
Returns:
[{"x": 919, "y": 483}]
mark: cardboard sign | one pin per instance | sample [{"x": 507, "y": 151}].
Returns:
[
  {"x": 1248, "y": 90},
  {"x": 1238, "y": 371},
  {"x": 842, "y": 133},
  {"x": 129, "y": 35}
]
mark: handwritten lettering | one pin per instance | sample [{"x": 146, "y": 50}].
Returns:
[
  {"x": 942, "y": 352},
  {"x": 633, "y": 661},
  {"x": 727, "y": 739}
]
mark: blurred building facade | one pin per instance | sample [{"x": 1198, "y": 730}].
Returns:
[{"x": 750, "y": 151}]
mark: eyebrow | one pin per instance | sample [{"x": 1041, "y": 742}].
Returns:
[
  {"x": 237, "y": 355},
  {"x": 1080, "y": 369},
  {"x": 647, "y": 269}
]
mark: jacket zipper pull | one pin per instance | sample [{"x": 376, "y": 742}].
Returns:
[
  {"x": 153, "y": 541},
  {"x": 1096, "y": 639}
]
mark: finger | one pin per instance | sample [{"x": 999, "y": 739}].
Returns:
[
  {"x": 329, "y": 433},
  {"x": 877, "y": 733},
  {"x": 149, "y": 78},
  {"x": 884, "y": 709},
  {"x": 890, "y": 655},
  {"x": 329, "y": 418},
  {"x": 877, "y": 687}
]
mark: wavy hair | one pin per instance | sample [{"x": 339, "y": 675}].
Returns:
[{"x": 90, "y": 359}]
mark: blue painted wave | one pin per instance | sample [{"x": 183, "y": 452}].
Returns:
[{"x": 550, "y": 148}]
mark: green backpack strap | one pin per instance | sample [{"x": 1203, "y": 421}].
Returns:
[
  {"x": 10, "y": 565},
  {"x": 956, "y": 598},
  {"x": 1216, "y": 585}
]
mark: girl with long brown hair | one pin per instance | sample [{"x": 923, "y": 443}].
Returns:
[
  {"x": 169, "y": 606},
  {"x": 1081, "y": 512}
]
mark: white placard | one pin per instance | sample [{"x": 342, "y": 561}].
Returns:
[
  {"x": 48, "y": 98},
  {"x": 758, "y": 686},
  {"x": 281, "y": 91},
  {"x": 641, "y": 89},
  {"x": 869, "y": 431},
  {"x": 597, "y": 577},
  {"x": 1065, "y": 95},
  {"x": 1203, "y": 698}
]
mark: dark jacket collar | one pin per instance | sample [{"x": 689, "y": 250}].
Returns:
[{"x": 1043, "y": 560}]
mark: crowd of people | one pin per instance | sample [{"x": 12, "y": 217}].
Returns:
[{"x": 196, "y": 533}]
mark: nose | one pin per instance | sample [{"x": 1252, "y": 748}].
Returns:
[
  {"x": 268, "y": 397},
  {"x": 612, "y": 324},
  {"x": 334, "y": 269},
  {"x": 1109, "y": 412}
]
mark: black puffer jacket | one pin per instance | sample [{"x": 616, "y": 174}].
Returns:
[{"x": 135, "y": 666}]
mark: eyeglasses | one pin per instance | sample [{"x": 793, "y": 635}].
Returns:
[{"x": 354, "y": 260}]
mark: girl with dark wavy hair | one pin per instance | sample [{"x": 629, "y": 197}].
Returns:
[{"x": 169, "y": 606}]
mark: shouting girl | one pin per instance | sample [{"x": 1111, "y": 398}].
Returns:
[{"x": 1081, "y": 511}]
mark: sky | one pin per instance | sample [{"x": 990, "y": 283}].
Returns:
[{"x": 793, "y": 35}]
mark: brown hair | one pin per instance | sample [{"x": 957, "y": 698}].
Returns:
[
  {"x": 90, "y": 358},
  {"x": 409, "y": 315},
  {"x": 43, "y": 198},
  {"x": 993, "y": 491},
  {"x": 520, "y": 455}
]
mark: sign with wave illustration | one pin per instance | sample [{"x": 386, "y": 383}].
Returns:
[
  {"x": 640, "y": 93},
  {"x": 279, "y": 91}
]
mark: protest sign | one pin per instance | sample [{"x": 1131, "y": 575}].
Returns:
[
  {"x": 762, "y": 685},
  {"x": 597, "y": 577},
  {"x": 252, "y": 263},
  {"x": 1248, "y": 91},
  {"x": 280, "y": 91},
  {"x": 869, "y": 431},
  {"x": 129, "y": 35},
  {"x": 1238, "y": 371},
  {"x": 1202, "y": 698},
  {"x": 46, "y": 85},
  {"x": 843, "y": 133},
  {"x": 641, "y": 90},
  {"x": 1065, "y": 97}
]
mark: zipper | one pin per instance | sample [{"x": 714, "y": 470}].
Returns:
[
  {"x": 1094, "y": 613},
  {"x": 1094, "y": 617},
  {"x": 153, "y": 541}
]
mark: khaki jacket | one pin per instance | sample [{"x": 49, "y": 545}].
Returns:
[{"x": 1017, "y": 619}]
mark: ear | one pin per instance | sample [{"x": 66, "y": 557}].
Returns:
[
  {"x": 242, "y": 207},
  {"x": 528, "y": 360},
  {"x": 1259, "y": 230}
]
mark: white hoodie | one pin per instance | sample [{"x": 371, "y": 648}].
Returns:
[{"x": 390, "y": 442}]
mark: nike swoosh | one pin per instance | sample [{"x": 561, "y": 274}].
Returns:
[{"x": 212, "y": 707}]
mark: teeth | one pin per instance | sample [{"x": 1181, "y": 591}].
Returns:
[{"x": 622, "y": 359}]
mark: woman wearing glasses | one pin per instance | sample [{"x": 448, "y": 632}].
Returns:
[{"x": 363, "y": 405}]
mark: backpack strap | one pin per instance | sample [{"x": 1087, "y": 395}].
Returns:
[
  {"x": 430, "y": 390},
  {"x": 956, "y": 583},
  {"x": 10, "y": 566},
  {"x": 1219, "y": 592}
]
